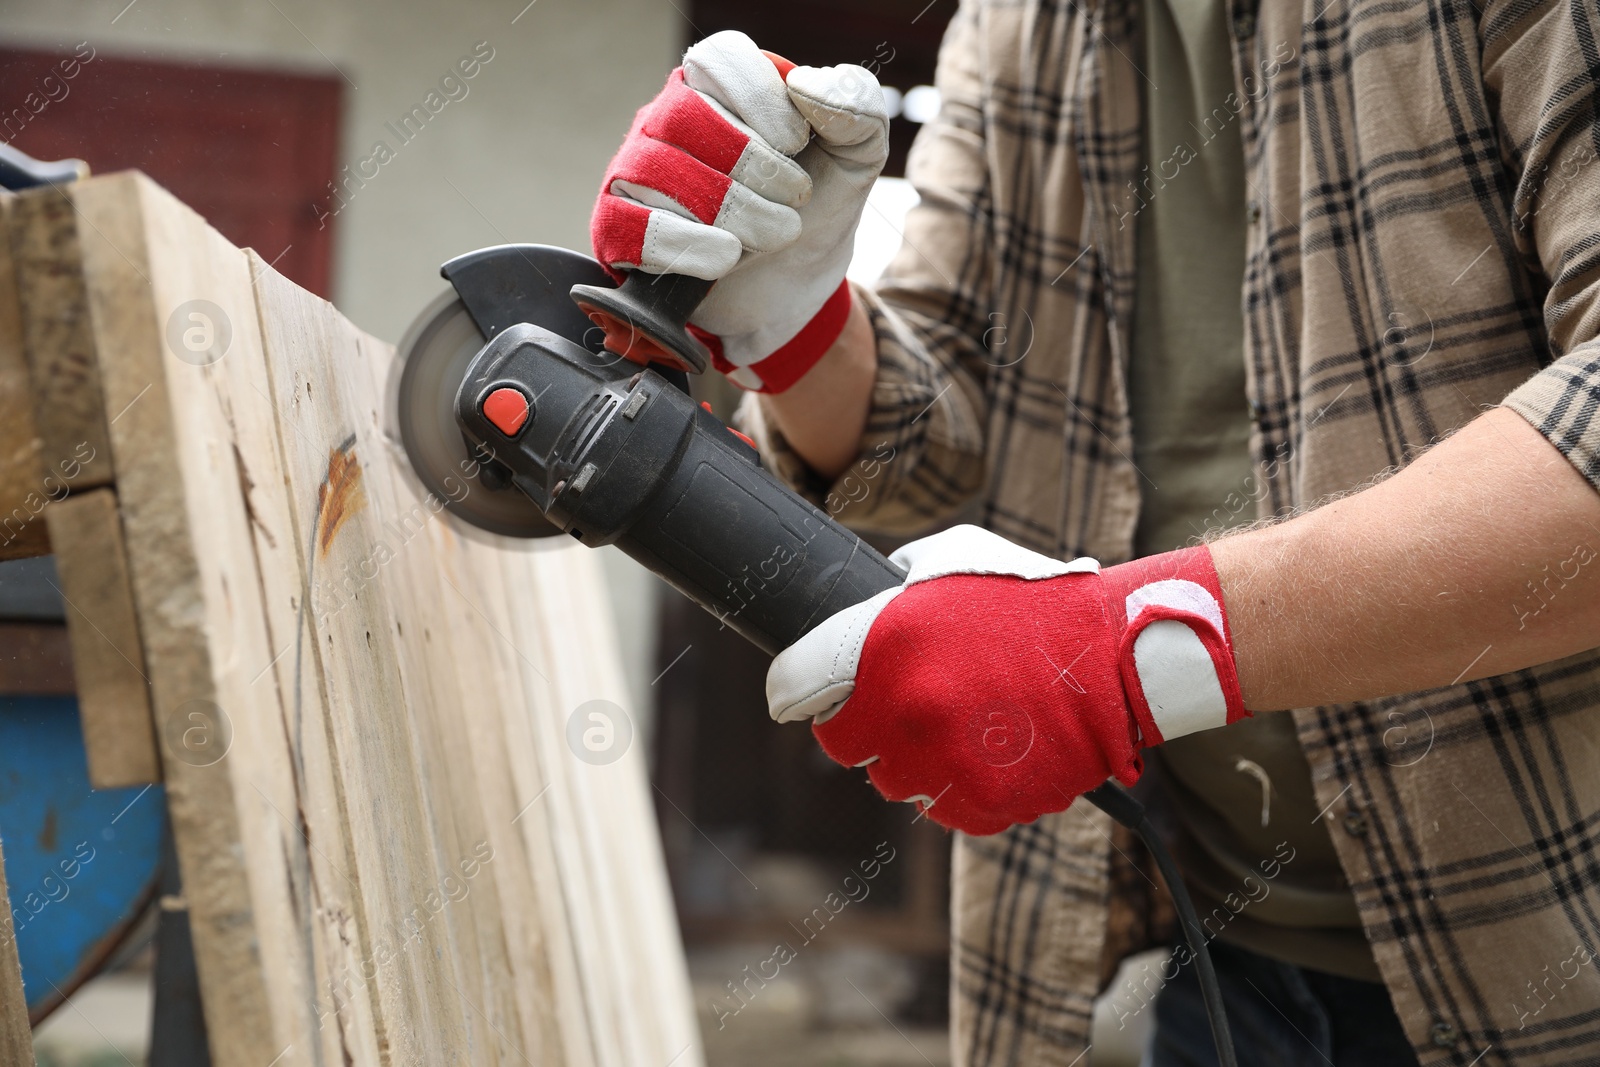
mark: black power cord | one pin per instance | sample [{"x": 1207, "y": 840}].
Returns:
[{"x": 1120, "y": 804}]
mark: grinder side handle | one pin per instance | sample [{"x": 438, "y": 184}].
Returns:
[{"x": 646, "y": 318}]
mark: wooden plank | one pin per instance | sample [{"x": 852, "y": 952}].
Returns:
[
  {"x": 393, "y": 801},
  {"x": 197, "y": 599},
  {"x": 16, "y": 1036},
  {"x": 630, "y": 938},
  {"x": 107, "y": 655},
  {"x": 69, "y": 418},
  {"x": 21, "y": 535},
  {"x": 398, "y": 859}
]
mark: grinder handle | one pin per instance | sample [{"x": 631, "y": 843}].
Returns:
[{"x": 646, "y": 318}]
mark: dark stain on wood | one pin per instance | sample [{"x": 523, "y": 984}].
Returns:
[
  {"x": 246, "y": 485},
  {"x": 340, "y": 496}
]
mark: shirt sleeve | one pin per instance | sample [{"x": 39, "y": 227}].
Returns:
[
  {"x": 1539, "y": 62},
  {"x": 922, "y": 456}
]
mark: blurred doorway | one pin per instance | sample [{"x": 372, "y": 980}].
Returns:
[{"x": 252, "y": 150}]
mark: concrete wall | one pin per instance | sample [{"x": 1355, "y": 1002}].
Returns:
[{"x": 518, "y": 158}]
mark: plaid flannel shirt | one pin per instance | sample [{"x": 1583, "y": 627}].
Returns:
[{"x": 1423, "y": 243}]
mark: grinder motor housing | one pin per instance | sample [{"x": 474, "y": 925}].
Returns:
[{"x": 618, "y": 455}]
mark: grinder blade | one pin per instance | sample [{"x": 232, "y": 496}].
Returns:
[{"x": 430, "y": 363}]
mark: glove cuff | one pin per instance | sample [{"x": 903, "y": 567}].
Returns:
[
  {"x": 1176, "y": 653},
  {"x": 779, "y": 370}
]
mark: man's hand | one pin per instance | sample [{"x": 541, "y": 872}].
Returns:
[
  {"x": 997, "y": 684},
  {"x": 753, "y": 172}
]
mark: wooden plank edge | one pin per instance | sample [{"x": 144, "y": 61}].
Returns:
[
  {"x": 128, "y": 345},
  {"x": 20, "y": 536},
  {"x": 107, "y": 653},
  {"x": 68, "y": 409},
  {"x": 16, "y": 1036}
]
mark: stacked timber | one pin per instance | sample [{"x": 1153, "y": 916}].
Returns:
[{"x": 390, "y": 852}]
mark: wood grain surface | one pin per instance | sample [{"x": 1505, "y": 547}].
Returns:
[{"x": 391, "y": 853}]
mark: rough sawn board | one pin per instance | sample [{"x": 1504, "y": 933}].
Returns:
[{"x": 390, "y": 854}]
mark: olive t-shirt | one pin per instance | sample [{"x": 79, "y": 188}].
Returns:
[{"x": 1242, "y": 795}]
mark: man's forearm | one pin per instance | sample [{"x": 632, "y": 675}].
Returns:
[
  {"x": 1480, "y": 557},
  {"x": 824, "y": 414}
]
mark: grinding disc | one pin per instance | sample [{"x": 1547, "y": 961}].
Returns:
[{"x": 432, "y": 360}]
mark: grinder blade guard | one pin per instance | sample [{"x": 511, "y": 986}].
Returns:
[{"x": 491, "y": 289}]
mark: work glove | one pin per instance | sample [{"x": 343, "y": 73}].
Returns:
[
  {"x": 996, "y": 684},
  {"x": 705, "y": 185}
]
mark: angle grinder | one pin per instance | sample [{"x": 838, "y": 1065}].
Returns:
[{"x": 537, "y": 398}]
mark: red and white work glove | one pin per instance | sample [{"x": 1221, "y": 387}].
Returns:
[
  {"x": 996, "y": 684},
  {"x": 751, "y": 171}
]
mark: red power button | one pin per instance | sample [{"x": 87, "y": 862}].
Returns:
[
  {"x": 706, "y": 403},
  {"x": 507, "y": 408}
]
